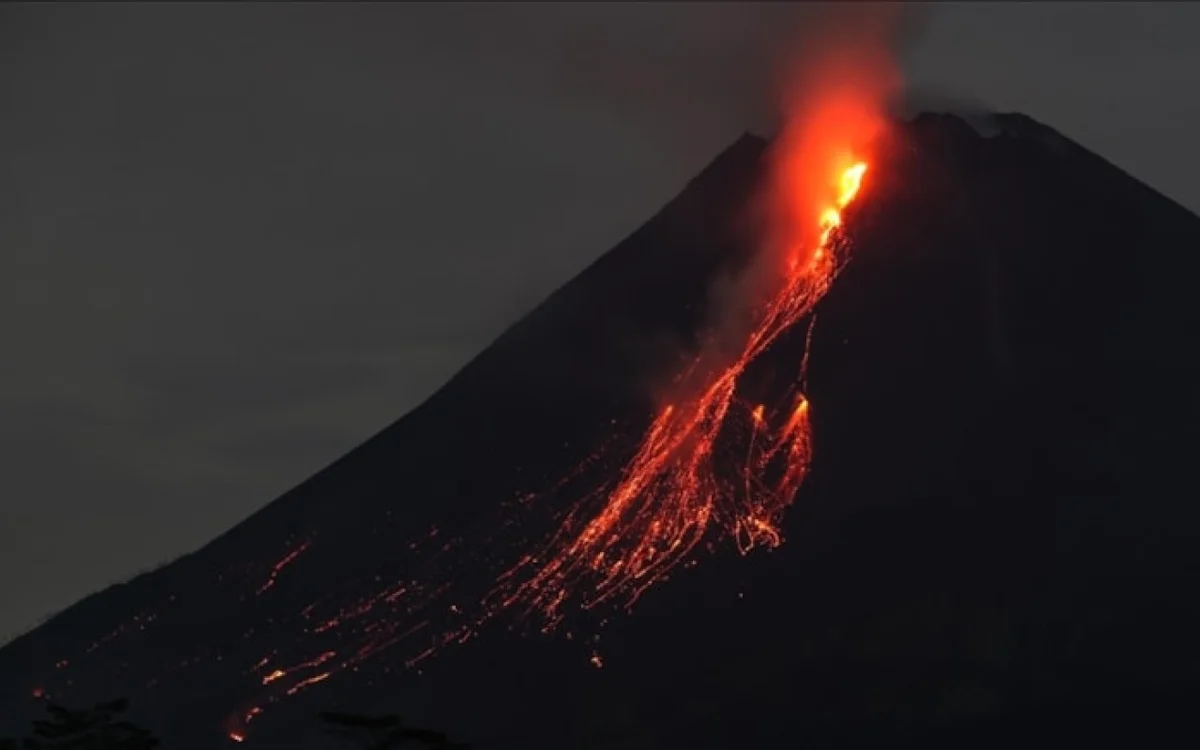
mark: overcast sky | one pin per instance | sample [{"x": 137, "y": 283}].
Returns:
[{"x": 235, "y": 241}]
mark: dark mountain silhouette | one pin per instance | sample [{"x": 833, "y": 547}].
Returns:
[{"x": 997, "y": 543}]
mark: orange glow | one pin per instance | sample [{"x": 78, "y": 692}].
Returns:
[{"x": 237, "y": 736}]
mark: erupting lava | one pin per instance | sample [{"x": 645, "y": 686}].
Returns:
[
  {"x": 671, "y": 493},
  {"x": 676, "y": 491}
]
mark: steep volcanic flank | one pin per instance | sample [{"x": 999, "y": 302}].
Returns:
[{"x": 997, "y": 515}]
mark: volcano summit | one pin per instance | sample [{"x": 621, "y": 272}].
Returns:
[{"x": 992, "y": 410}]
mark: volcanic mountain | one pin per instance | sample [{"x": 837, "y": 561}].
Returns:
[{"x": 998, "y": 533}]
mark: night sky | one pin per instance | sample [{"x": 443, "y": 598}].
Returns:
[{"x": 238, "y": 240}]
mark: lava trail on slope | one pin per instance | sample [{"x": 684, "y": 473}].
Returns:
[{"x": 671, "y": 493}]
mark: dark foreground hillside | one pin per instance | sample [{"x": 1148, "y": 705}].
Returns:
[{"x": 997, "y": 544}]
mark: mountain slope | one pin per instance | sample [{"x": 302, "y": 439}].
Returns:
[{"x": 998, "y": 520}]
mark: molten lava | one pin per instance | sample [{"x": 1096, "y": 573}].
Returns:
[{"x": 671, "y": 493}]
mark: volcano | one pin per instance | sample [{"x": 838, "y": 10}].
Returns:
[{"x": 996, "y": 536}]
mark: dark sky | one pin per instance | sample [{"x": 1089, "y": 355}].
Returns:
[{"x": 237, "y": 240}]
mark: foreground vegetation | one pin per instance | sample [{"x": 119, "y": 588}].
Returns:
[{"x": 102, "y": 728}]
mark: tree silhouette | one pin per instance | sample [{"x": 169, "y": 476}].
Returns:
[
  {"x": 385, "y": 732},
  {"x": 97, "y": 728}
]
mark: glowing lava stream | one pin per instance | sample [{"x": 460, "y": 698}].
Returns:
[{"x": 670, "y": 493}]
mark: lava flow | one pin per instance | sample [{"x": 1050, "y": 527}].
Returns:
[
  {"x": 671, "y": 493},
  {"x": 619, "y": 540},
  {"x": 678, "y": 489}
]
